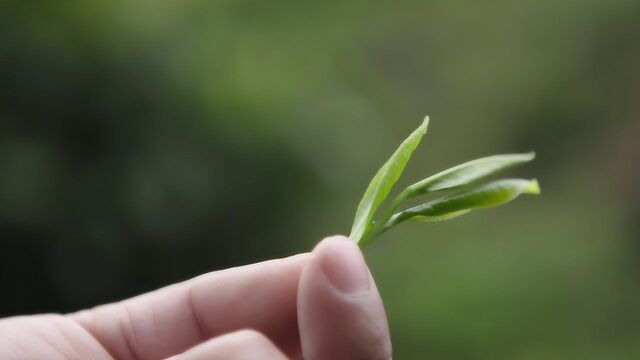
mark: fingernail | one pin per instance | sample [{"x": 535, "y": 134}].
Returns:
[{"x": 343, "y": 264}]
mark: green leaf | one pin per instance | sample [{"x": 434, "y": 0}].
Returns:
[
  {"x": 466, "y": 173},
  {"x": 489, "y": 195},
  {"x": 457, "y": 176},
  {"x": 383, "y": 182}
]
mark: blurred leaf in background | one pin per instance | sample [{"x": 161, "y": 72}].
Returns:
[{"x": 146, "y": 142}]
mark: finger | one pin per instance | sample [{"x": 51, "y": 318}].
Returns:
[
  {"x": 170, "y": 320},
  {"x": 239, "y": 345},
  {"x": 340, "y": 312}
]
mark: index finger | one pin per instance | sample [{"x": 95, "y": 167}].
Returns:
[{"x": 170, "y": 320}]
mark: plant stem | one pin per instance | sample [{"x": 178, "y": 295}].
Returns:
[{"x": 379, "y": 224}]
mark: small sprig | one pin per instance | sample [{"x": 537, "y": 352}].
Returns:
[{"x": 366, "y": 226}]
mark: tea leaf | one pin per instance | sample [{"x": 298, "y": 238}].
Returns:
[
  {"x": 466, "y": 173},
  {"x": 489, "y": 195},
  {"x": 452, "y": 178},
  {"x": 383, "y": 182}
]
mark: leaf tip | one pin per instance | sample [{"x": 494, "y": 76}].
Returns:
[
  {"x": 531, "y": 155},
  {"x": 425, "y": 122},
  {"x": 533, "y": 187}
]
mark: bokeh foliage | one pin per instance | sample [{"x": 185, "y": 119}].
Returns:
[{"x": 145, "y": 142}]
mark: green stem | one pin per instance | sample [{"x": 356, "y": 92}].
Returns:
[{"x": 379, "y": 225}]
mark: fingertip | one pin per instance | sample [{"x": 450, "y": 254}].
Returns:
[
  {"x": 329, "y": 240},
  {"x": 340, "y": 312},
  {"x": 342, "y": 262}
]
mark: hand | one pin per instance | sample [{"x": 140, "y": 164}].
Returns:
[{"x": 321, "y": 305}]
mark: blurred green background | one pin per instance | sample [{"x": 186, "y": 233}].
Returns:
[{"x": 145, "y": 142}]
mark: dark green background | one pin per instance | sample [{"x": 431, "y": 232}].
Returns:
[{"x": 146, "y": 142}]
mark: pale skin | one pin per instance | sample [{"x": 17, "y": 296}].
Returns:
[{"x": 319, "y": 305}]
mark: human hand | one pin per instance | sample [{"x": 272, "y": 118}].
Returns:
[{"x": 320, "y": 305}]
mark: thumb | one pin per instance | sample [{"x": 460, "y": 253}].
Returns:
[{"x": 340, "y": 313}]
